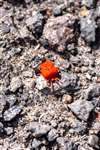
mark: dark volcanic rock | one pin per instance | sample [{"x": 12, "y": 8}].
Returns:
[{"x": 11, "y": 113}]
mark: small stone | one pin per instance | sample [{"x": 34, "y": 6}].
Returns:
[
  {"x": 78, "y": 127},
  {"x": 11, "y": 113},
  {"x": 93, "y": 141},
  {"x": 62, "y": 34},
  {"x": 96, "y": 127},
  {"x": 35, "y": 144},
  {"x": 81, "y": 109},
  {"x": 60, "y": 141},
  {"x": 39, "y": 129},
  {"x": 43, "y": 148},
  {"x": 68, "y": 82},
  {"x": 9, "y": 130},
  {"x": 35, "y": 23},
  {"x": 67, "y": 99},
  {"x": 24, "y": 32},
  {"x": 15, "y": 84},
  {"x": 88, "y": 27},
  {"x": 41, "y": 83},
  {"x": 5, "y": 28},
  {"x": 52, "y": 135},
  {"x": 11, "y": 99},
  {"x": 57, "y": 11},
  {"x": 93, "y": 91},
  {"x": 70, "y": 145}
]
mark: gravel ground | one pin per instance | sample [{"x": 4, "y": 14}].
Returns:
[{"x": 40, "y": 114}]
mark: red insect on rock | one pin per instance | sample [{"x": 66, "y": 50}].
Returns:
[{"x": 49, "y": 71}]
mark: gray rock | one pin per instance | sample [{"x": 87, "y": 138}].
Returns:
[
  {"x": 71, "y": 146},
  {"x": 81, "y": 109},
  {"x": 60, "y": 141},
  {"x": 41, "y": 83},
  {"x": 57, "y": 11},
  {"x": 39, "y": 129},
  {"x": 88, "y": 27},
  {"x": 93, "y": 91},
  {"x": 62, "y": 34},
  {"x": 9, "y": 130},
  {"x": 15, "y": 84},
  {"x": 93, "y": 141},
  {"x": 66, "y": 145},
  {"x": 43, "y": 148},
  {"x": 52, "y": 135},
  {"x": 35, "y": 144},
  {"x": 96, "y": 127},
  {"x": 11, "y": 99},
  {"x": 78, "y": 127},
  {"x": 11, "y": 113},
  {"x": 35, "y": 23},
  {"x": 5, "y": 28},
  {"x": 68, "y": 82}
]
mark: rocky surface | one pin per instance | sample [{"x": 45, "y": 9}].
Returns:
[{"x": 58, "y": 114}]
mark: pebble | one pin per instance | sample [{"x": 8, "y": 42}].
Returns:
[
  {"x": 43, "y": 148},
  {"x": 39, "y": 129},
  {"x": 52, "y": 135},
  {"x": 41, "y": 83},
  {"x": 78, "y": 127},
  {"x": 67, "y": 99},
  {"x": 59, "y": 27},
  {"x": 93, "y": 91},
  {"x": 81, "y": 109},
  {"x": 35, "y": 23},
  {"x": 57, "y": 11},
  {"x": 15, "y": 84},
  {"x": 35, "y": 144},
  {"x": 93, "y": 141},
  {"x": 11, "y": 113},
  {"x": 5, "y": 28},
  {"x": 9, "y": 131},
  {"x": 11, "y": 99},
  {"x": 60, "y": 141},
  {"x": 88, "y": 27},
  {"x": 68, "y": 82}
]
